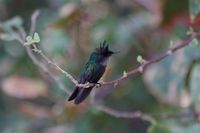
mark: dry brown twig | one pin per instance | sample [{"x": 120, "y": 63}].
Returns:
[{"x": 20, "y": 37}]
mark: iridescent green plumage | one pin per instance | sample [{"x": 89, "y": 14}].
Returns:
[{"x": 92, "y": 72}]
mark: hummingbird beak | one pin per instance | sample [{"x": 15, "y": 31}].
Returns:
[{"x": 116, "y": 52}]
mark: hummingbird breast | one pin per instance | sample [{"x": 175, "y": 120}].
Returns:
[{"x": 104, "y": 62}]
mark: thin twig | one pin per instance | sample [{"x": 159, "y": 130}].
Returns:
[
  {"x": 21, "y": 40},
  {"x": 54, "y": 64},
  {"x": 115, "y": 82},
  {"x": 178, "y": 46},
  {"x": 146, "y": 117},
  {"x": 140, "y": 115},
  {"x": 139, "y": 69},
  {"x": 33, "y": 22},
  {"x": 124, "y": 114},
  {"x": 36, "y": 61},
  {"x": 41, "y": 65},
  {"x": 45, "y": 69}
]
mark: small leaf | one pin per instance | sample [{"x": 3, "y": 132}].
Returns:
[
  {"x": 140, "y": 59},
  {"x": 190, "y": 31},
  {"x": 29, "y": 39},
  {"x": 195, "y": 42},
  {"x": 124, "y": 74},
  {"x": 36, "y": 37}
]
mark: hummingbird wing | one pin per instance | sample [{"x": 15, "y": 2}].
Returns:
[
  {"x": 91, "y": 73},
  {"x": 84, "y": 77}
]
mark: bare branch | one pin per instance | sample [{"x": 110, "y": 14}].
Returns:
[
  {"x": 32, "y": 56},
  {"x": 146, "y": 117},
  {"x": 33, "y": 22},
  {"x": 115, "y": 82},
  {"x": 45, "y": 69},
  {"x": 124, "y": 114},
  {"x": 36, "y": 61},
  {"x": 55, "y": 65},
  {"x": 178, "y": 45},
  {"x": 140, "y": 115}
]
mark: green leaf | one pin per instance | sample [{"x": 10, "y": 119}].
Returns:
[
  {"x": 195, "y": 84},
  {"x": 194, "y": 6},
  {"x": 190, "y": 31},
  {"x": 140, "y": 59},
  {"x": 195, "y": 42},
  {"x": 36, "y": 37},
  {"x": 124, "y": 74},
  {"x": 29, "y": 40}
]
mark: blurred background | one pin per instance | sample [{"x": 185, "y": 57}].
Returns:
[{"x": 31, "y": 102}]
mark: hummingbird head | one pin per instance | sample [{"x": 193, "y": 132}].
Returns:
[
  {"x": 102, "y": 53},
  {"x": 104, "y": 50}
]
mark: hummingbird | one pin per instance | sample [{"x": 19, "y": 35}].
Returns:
[{"x": 92, "y": 71}]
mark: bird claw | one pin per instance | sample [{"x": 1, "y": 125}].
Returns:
[{"x": 98, "y": 85}]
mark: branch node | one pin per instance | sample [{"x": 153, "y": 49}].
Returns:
[
  {"x": 141, "y": 69},
  {"x": 98, "y": 85},
  {"x": 169, "y": 52},
  {"x": 125, "y": 74}
]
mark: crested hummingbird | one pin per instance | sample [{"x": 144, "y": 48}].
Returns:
[{"x": 92, "y": 71}]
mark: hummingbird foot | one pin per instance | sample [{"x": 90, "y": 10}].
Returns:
[{"x": 98, "y": 85}]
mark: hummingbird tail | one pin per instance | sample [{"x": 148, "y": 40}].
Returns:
[
  {"x": 74, "y": 94},
  {"x": 82, "y": 95}
]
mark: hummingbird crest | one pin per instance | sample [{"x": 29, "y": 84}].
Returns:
[{"x": 104, "y": 49}]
